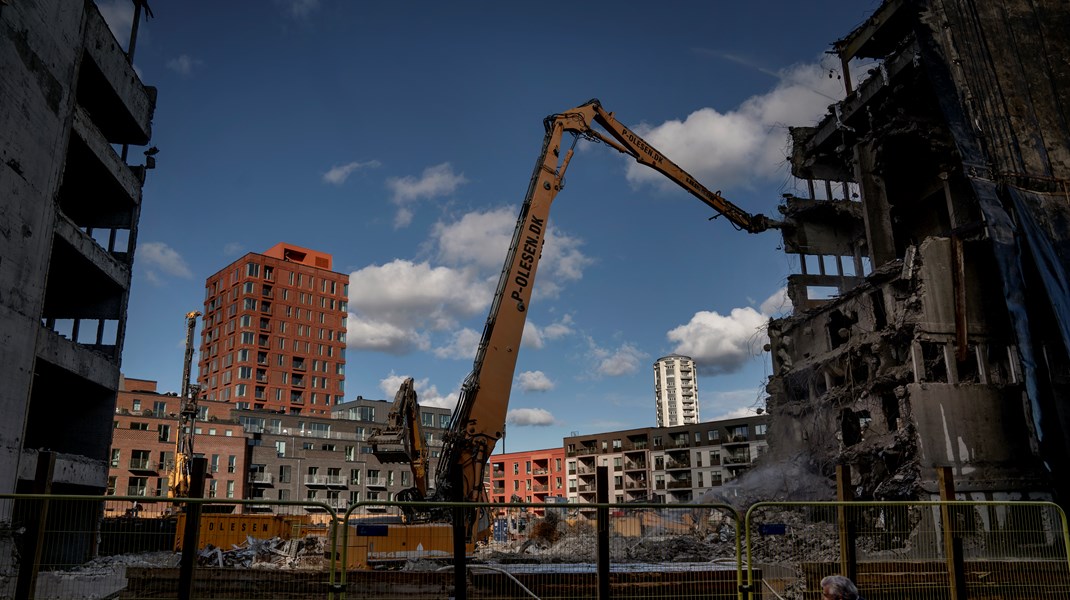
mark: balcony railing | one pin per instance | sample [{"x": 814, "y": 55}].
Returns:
[
  {"x": 142, "y": 464},
  {"x": 677, "y": 464},
  {"x": 135, "y": 490},
  {"x": 676, "y": 485},
  {"x": 736, "y": 459},
  {"x": 261, "y": 477}
]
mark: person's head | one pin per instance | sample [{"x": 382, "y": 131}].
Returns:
[{"x": 838, "y": 587}]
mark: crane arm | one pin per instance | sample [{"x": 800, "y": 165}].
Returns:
[
  {"x": 479, "y": 419},
  {"x": 581, "y": 121}
]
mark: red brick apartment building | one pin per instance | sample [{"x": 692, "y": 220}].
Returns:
[
  {"x": 274, "y": 332},
  {"x": 531, "y": 476},
  {"x": 146, "y": 436}
]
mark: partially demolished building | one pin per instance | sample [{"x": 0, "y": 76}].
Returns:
[{"x": 938, "y": 211}]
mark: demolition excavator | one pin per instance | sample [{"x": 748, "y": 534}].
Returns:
[
  {"x": 478, "y": 422},
  {"x": 179, "y": 478}
]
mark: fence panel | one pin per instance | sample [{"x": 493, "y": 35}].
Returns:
[
  {"x": 130, "y": 548},
  {"x": 987, "y": 550},
  {"x": 546, "y": 552}
]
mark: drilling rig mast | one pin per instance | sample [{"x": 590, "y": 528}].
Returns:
[{"x": 179, "y": 479}]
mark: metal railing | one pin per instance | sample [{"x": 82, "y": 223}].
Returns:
[{"x": 138, "y": 548}]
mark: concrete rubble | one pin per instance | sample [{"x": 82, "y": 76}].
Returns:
[{"x": 273, "y": 553}]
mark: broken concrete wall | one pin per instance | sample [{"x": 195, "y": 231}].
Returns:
[{"x": 868, "y": 378}]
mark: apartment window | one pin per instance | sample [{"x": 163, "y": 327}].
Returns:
[
  {"x": 232, "y": 464},
  {"x": 137, "y": 406},
  {"x": 164, "y": 433},
  {"x": 115, "y": 457},
  {"x": 252, "y": 269},
  {"x": 373, "y": 477},
  {"x": 159, "y": 409},
  {"x": 111, "y": 486},
  {"x": 284, "y": 494},
  {"x": 760, "y": 429},
  {"x": 354, "y": 476},
  {"x": 139, "y": 426},
  {"x": 213, "y": 488},
  {"x": 616, "y": 444},
  {"x": 444, "y": 421},
  {"x": 284, "y": 473},
  {"x": 527, "y": 467},
  {"x": 351, "y": 453}
]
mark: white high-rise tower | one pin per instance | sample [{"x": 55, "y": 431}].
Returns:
[{"x": 676, "y": 390}]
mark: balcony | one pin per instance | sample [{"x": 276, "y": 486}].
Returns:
[
  {"x": 677, "y": 485},
  {"x": 677, "y": 464},
  {"x": 634, "y": 466},
  {"x": 586, "y": 489},
  {"x": 335, "y": 481},
  {"x": 316, "y": 480},
  {"x": 375, "y": 482},
  {"x": 736, "y": 438},
  {"x": 635, "y": 485},
  {"x": 143, "y": 464},
  {"x": 137, "y": 490},
  {"x": 498, "y": 474},
  {"x": 261, "y": 478},
  {"x": 541, "y": 471},
  {"x": 736, "y": 458},
  {"x": 540, "y": 487}
]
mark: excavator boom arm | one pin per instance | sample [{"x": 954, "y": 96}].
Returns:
[{"x": 479, "y": 419}]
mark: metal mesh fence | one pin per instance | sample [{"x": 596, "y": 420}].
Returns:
[
  {"x": 976, "y": 550},
  {"x": 549, "y": 552},
  {"x": 132, "y": 547}
]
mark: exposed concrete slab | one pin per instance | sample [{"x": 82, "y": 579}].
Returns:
[
  {"x": 137, "y": 101},
  {"x": 77, "y": 359}
]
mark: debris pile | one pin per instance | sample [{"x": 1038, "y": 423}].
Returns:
[{"x": 274, "y": 553}]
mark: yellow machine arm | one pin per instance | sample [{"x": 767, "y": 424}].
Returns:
[
  {"x": 479, "y": 419},
  {"x": 401, "y": 441},
  {"x": 178, "y": 480}
]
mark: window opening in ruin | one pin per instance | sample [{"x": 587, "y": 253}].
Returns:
[
  {"x": 880, "y": 313},
  {"x": 839, "y": 328},
  {"x": 969, "y": 370},
  {"x": 933, "y": 362},
  {"x": 821, "y": 292},
  {"x": 890, "y": 408},
  {"x": 852, "y": 424}
]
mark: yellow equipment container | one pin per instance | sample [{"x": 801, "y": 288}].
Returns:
[
  {"x": 378, "y": 543},
  {"x": 225, "y": 531}
]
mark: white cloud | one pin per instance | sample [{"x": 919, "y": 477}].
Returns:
[
  {"x": 184, "y": 64},
  {"x": 233, "y": 249},
  {"x": 426, "y": 394},
  {"x": 159, "y": 259},
  {"x": 730, "y": 404},
  {"x": 777, "y": 304},
  {"x": 119, "y": 15},
  {"x": 536, "y": 337},
  {"x": 380, "y": 336},
  {"x": 534, "y": 381},
  {"x": 721, "y": 343},
  {"x": 614, "y": 362},
  {"x": 300, "y": 9},
  {"x": 462, "y": 344},
  {"x": 745, "y": 144},
  {"x": 392, "y": 305},
  {"x": 439, "y": 180},
  {"x": 724, "y": 343},
  {"x": 533, "y": 417},
  {"x": 482, "y": 238},
  {"x": 339, "y": 173}
]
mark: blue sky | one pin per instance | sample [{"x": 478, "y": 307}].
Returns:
[{"x": 400, "y": 137}]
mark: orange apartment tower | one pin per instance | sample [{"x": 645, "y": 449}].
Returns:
[{"x": 274, "y": 332}]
